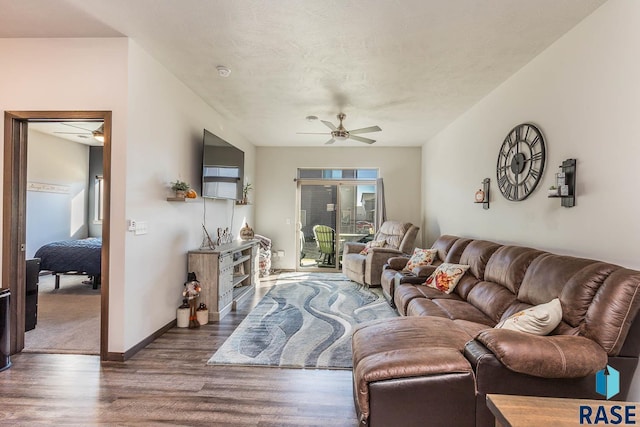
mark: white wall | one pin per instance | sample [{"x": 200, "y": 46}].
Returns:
[
  {"x": 157, "y": 129},
  {"x": 275, "y": 189},
  {"x": 166, "y": 122},
  {"x": 55, "y": 216},
  {"x": 76, "y": 74},
  {"x": 584, "y": 94}
]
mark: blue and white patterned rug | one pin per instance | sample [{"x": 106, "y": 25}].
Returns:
[{"x": 304, "y": 321}]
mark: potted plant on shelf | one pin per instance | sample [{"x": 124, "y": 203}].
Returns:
[
  {"x": 180, "y": 188},
  {"x": 245, "y": 193},
  {"x": 553, "y": 191}
]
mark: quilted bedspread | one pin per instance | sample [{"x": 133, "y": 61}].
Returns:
[{"x": 72, "y": 255}]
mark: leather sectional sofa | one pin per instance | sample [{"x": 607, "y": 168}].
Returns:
[{"x": 435, "y": 364}]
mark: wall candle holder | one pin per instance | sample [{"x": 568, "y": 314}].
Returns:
[{"x": 482, "y": 195}]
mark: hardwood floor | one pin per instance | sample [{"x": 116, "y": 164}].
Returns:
[{"x": 169, "y": 383}]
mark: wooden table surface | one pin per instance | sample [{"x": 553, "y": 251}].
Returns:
[{"x": 532, "y": 411}]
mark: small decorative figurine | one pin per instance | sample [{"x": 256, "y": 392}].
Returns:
[{"x": 192, "y": 290}]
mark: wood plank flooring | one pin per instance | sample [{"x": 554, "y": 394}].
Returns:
[{"x": 169, "y": 383}]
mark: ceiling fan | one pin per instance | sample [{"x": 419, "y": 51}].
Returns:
[
  {"x": 340, "y": 133},
  {"x": 97, "y": 134}
]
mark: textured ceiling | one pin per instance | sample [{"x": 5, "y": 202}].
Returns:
[{"x": 410, "y": 67}]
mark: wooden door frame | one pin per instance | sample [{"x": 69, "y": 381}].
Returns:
[{"x": 14, "y": 215}]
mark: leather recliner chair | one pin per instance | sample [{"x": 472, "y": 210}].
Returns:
[{"x": 399, "y": 239}]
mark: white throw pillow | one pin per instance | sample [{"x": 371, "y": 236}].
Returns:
[{"x": 538, "y": 320}]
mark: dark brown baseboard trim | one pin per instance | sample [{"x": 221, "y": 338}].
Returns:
[{"x": 121, "y": 357}]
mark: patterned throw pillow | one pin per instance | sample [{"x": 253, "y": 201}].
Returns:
[
  {"x": 373, "y": 244},
  {"x": 446, "y": 277},
  {"x": 420, "y": 258},
  {"x": 538, "y": 320}
]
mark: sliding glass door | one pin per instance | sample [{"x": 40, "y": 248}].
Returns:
[
  {"x": 317, "y": 232},
  {"x": 333, "y": 210}
]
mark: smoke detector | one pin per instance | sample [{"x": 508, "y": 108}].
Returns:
[{"x": 223, "y": 71}]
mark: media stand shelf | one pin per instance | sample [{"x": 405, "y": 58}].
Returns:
[{"x": 228, "y": 274}]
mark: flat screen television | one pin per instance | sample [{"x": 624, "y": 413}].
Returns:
[{"x": 222, "y": 168}]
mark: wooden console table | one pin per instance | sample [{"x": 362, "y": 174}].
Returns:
[
  {"x": 533, "y": 411},
  {"x": 227, "y": 274}
]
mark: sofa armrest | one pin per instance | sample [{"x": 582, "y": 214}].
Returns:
[
  {"x": 383, "y": 254},
  {"x": 424, "y": 271},
  {"x": 554, "y": 356},
  {"x": 397, "y": 263},
  {"x": 352, "y": 247}
]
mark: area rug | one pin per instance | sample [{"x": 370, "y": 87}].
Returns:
[{"x": 304, "y": 321}]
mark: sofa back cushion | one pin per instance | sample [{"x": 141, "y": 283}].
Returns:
[
  {"x": 509, "y": 264},
  {"x": 392, "y": 232},
  {"x": 454, "y": 254},
  {"x": 398, "y": 235},
  {"x": 503, "y": 273},
  {"x": 476, "y": 255},
  {"x": 443, "y": 244},
  {"x": 547, "y": 275}
]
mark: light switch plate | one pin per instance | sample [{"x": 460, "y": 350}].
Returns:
[{"x": 141, "y": 228}]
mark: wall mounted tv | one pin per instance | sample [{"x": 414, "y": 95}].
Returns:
[{"x": 222, "y": 168}]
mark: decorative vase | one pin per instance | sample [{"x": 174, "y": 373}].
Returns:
[
  {"x": 181, "y": 193},
  {"x": 246, "y": 232},
  {"x": 182, "y": 317},
  {"x": 202, "y": 314}
]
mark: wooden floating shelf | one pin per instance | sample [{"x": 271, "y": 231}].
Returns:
[{"x": 180, "y": 199}]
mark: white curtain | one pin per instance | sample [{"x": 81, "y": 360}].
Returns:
[{"x": 381, "y": 210}]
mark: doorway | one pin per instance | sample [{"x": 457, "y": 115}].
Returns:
[
  {"x": 14, "y": 214},
  {"x": 335, "y": 206}
]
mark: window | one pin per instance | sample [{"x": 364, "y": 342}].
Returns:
[
  {"x": 98, "y": 187},
  {"x": 339, "y": 174}
]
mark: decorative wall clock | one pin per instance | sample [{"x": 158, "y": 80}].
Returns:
[{"x": 520, "y": 162}]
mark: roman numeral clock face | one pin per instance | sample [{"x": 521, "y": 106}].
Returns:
[{"x": 520, "y": 162}]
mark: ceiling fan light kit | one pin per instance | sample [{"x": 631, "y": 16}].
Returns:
[
  {"x": 98, "y": 134},
  {"x": 340, "y": 133}
]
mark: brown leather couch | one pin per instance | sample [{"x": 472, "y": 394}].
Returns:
[
  {"x": 434, "y": 365},
  {"x": 393, "y": 274},
  {"x": 399, "y": 238}
]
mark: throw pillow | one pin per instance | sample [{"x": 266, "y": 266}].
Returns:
[
  {"x": 538, "y": 320},
  {"x": 421, "y": 257},
  {"x": 373, "y": 244},
  {"x": 446, "y": 277}
]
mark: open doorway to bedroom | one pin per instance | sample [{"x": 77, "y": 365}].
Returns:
[
  {"x": 64, "y": 237},
  {"x": 56, "y": 230}
]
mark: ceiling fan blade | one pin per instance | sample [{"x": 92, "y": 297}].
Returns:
[
  {"x": 74, "y": 126},
  {"x": 75, "y": 133},
  {"x": 361, "y": 139},
  {"x": 365, "y": 130},
  {"x": 331, "y": 141},
  {"x": 329, "y": 125},
  {"x": 313, "y": 133}
]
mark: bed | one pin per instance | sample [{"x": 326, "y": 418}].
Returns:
[{"x": 81, "y": 256}]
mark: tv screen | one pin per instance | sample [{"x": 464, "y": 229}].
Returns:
[{"x": 222, "y": 168}]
